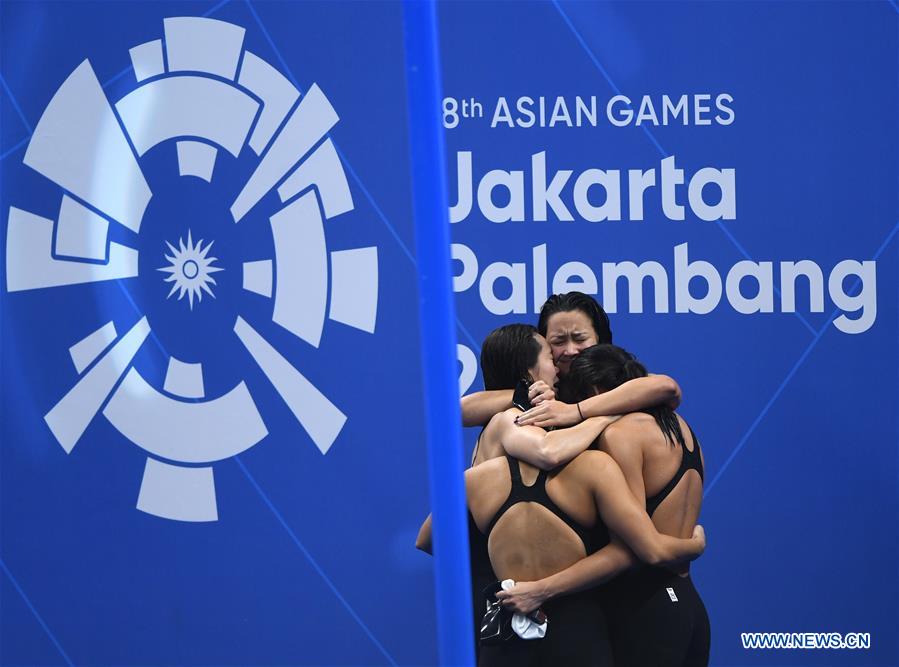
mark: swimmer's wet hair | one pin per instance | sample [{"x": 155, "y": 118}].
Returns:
[
  {"x": 603, "y": 368},
  {"x": 507, "y": 354},
  {"x": 565, "y": 303}
]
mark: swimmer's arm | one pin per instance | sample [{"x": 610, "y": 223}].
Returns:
[
  {"x": 625, "y": 517},
  {"x": 595, "y": 569},
  {"x": 548, "y": 450},
  {"x": 489, "y": 445},
  {"x": 472, "y": 483},
  {"x": 598, "y": 567},
  {"x": 628, "y": 454},
  {"x": 478, "y": 408},
  {"x": 636, "y": 394},
  {"x": 633, "y": 395},
  {"x": 423, "y": 541}
]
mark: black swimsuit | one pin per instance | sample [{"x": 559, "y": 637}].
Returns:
[
  {"x": 481, "y": 570},
  {"x": 655, "y": 617},
  {"x": 536, "y": 493},
  {"x": 576, "y": 635},
  {"x": 689, "y": 461}
]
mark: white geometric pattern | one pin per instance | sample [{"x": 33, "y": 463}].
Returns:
[{"x": 200, "y": 89}]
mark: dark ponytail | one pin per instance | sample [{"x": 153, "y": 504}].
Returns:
[
  {"x": 506, "y": 355},
  {"x": 605, "y": 367}
]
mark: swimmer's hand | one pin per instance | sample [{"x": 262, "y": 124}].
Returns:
[
  {"x": 699, "y": 537},
  {"x": 550, "y": 413},
  {"x": 524, "y": 597},
  {"x": 540, "y": 392},
  {"x": 557, "y": 414}
]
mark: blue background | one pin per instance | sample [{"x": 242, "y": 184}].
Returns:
[
  {"x": 798, "y": 420},
  {"x": 310, "y": 561}
]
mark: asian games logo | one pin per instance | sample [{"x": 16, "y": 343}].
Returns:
[{"x": 158, "y": 171}]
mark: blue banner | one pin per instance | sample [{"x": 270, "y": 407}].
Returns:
[
  {"x": 213, "y": 424},
  {"x": 722, "y": 176},
  {"x": 213, "y": 430}
]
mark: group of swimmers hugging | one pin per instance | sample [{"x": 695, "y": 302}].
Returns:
[{"x": 583, "y": 497}]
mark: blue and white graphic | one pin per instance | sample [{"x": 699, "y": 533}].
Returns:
[
  {"x": 189, "y": 269},
  {"x": 201, "y": 90},
  {"x": 127, "y": 130},
  {"x": 590, "y": 144},
  {"x": 195, "y": 146}
]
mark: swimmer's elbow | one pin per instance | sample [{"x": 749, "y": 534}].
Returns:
[
  {"x": 423, "y": 544},
  {"x": 670, "y": 391},
  {"x": 547, "y": 457},
  {"x": 538, "y": 452},
  {"x": 656, "y": 558},
  {"x": 667, "y": 551},
  {"x": 652, "y": 552},
  {"x": 468, "y": 408},
  {"x": 423, "y": 540}
]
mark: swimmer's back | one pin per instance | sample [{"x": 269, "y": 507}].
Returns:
[
  {"x": 663, "y": 474},
  {"x": 539, "y": 523}
]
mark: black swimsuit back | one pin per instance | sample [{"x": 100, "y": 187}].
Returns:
[
  {"x": 655, "y": 617},
  {"x": 690, "y": 460},
  {"x": 576, "y": 634},
  {"x": 593, "y": 538}
]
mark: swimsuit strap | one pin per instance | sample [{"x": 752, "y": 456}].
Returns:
[
  {"x": 689, "y": 461},
  {"x": 695, "y": 458},
  {"x": 536, "y": 493},
  {"x": 511, "y": 499},
  {"x": 477, "y": 443},
  {"x": 515, "y": 474}
]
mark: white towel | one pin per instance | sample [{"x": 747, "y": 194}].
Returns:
[{"x": 523, "y": 626}]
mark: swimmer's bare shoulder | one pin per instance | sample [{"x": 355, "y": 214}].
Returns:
[
  {"x": 631, "y": 422},
  {"x": 632, "y": 429},
  {"x": 585, "y": 467},
  {"x": 487, "y": 485},
  {"x": 490, "y": 444}
]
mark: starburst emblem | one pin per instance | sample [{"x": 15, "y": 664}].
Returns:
[{"x": 190, "y": 269}]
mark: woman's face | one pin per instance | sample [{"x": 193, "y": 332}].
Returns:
[
  {"x": 545, "y": 368},
  {"x": 568, "y": 333}
]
